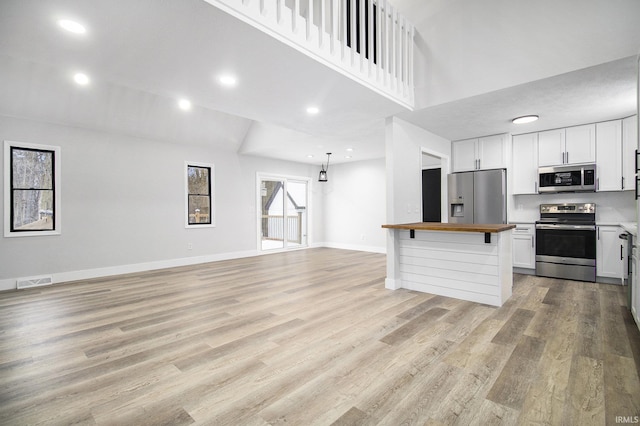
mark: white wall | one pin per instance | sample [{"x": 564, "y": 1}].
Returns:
[
  {"x": 405, "y": 144},
  {"x": 354, "y": 209},
  {"x": 123, "y": 205}
]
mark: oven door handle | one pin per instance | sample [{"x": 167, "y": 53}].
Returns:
[{"x": 568, "y": 227}]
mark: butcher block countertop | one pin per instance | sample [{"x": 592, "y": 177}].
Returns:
[{"x": 453, "y": 227}]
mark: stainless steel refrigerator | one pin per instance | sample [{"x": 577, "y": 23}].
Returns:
[{"x": 478, "y": 197}]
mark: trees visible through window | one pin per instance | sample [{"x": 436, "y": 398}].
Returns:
[
  {"x": 199, "y": 195},
  {"x": 32, "y": 189}
]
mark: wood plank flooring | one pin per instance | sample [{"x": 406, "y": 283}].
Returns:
[{"x": 312, "y": 337}]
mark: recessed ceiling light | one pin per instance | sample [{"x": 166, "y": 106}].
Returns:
[
  {"x": 228, "y": 80},
  {"x": 312, "y": 110},
  {"x": 349, "y": 149},
  {"x": 347, "y": 156},
  {"x": 309, "y": 156},
  {"x": 184, "y": 104},
  {"x": 525, "y": 119},
  {"x": 81, "y": 78},
  {"x": 72, "y": 26}
]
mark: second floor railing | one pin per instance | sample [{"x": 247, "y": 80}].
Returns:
[{"x": 368, "y": 40}]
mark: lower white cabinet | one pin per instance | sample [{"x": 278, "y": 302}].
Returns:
[
  {"x": 524, "y": 250},
  {"x": 609, "y": 252}
]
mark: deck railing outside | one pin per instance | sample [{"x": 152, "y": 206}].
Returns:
[
  {"x": 368, "y": 40},
  {"x": 272, "y": 228}
]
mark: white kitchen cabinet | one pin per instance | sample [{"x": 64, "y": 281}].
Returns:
[
  {"x": 551, "y": 147},
  {"x": 609, "y": 156},
  {"x": 609, "y": 252},
  {"x": 464, "y": 154},
  {"x": 492, "y": 152},
  {"x": 580, "y": 144},
  {"x": 629, "y": 146},
  {"x": 572, "y": 145},
  {"x": 480, "y": 154},
  {"x": 524, "y": 156},
  {"x": 524, "y": 251}
]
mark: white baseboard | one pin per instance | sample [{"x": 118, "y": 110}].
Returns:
[
  {"x": 87, "y": 274},
  {"x": 8, "y": 284},
  {"x": 371, "y": 249}
]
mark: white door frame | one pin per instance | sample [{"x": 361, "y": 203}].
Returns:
[{"x": 260, "y": 176}]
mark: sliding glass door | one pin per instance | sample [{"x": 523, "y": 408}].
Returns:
[{"x": 282, "y": 212}]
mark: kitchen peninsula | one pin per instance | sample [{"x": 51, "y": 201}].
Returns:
[{"x": 465, "y": 261}]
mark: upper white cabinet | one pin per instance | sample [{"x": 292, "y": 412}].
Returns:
[
  {"x": 609, "y": 155},
  {"x": 551, "y": 147},
  {"x": 629, "y": 146},
  {"x": 616, "y": 143},
  {"x": 525, "y": 164},
  {"x": 581, "y": 144},
  {"x": 492, "y": 152},
  {"x": 464, "y": 155},
  {"x": 480, "y": 154},
  {"x": 567, "y": 146}
]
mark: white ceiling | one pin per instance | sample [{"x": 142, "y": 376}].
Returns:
[{"x": 474, "y": 74}]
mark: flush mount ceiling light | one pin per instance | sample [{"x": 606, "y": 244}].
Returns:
[
  {"x": 184, "y": 104},
  {"x": 323, "y": 172},
  {"x": 313, "y": 110},
  {"x": 81, "y": 79},
  {"x": 525, "y": 119},
  {"x": 228, "y": 80},
  {"x": 72, "y": 26}
]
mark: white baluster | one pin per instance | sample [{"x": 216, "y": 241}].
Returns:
[
  {"x": 378, "y": 37},
  {"x": 370, "y": 43},
  {"x": 407, "y": 58},
  {"x": 401, "y": 51},
  {"x": 387, "y": 42},
  {"x": 335, "y": 24},
  {"x": 394, "y": 47},
  {"x": 296, "y": 14},
  {"x": 309, "y": 18},
  {"x": 343, "y": 21},
  {"x": 353, "y": 29},
  {"x": 363, "y": 34},
  {"x": 323, "y": 11},
  {"x": 411, "y": 63},
  {"x": 279, "y": 9}
]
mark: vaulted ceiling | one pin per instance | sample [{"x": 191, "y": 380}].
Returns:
[{"x": 479, "y": 64}]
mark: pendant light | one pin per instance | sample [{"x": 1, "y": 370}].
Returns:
[{"x": 323, "y": 172}]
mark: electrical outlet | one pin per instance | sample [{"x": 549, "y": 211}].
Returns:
[
  {"x": 189, "y": 246},
  {"x": 362, "y": 237}
]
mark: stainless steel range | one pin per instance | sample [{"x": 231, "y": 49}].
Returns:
[{"x": 566, "y": 241}]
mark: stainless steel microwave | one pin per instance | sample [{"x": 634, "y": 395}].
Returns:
[{"x": 571, "y": 178}]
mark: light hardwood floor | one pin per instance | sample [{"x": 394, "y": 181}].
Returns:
[{"x": 313, "y": 337}]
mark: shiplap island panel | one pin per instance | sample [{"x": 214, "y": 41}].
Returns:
[{"x": 466, "y": 261}]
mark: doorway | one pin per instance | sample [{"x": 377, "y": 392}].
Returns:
[
  {"x": 431, "y": 195},
  {"x": 282, "y": 212},
  {"x": 435, "y": 167}
]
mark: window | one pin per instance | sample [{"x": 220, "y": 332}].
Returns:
[
  {"x": 199, "y": 200},
  {"x": 31, "y": 189}
]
